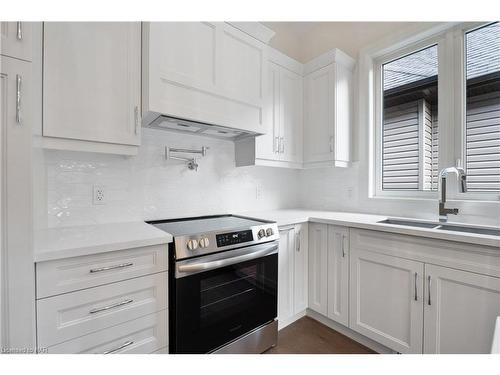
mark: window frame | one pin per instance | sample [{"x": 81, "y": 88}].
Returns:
[
  {"x": 378, "y": 62},
  {"x": 450, "y": 39}
]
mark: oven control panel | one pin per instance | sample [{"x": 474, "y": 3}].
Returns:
[{"x": 226, "y": 239}]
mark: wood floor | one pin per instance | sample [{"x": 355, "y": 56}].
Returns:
[{"x": 307, "y": 336}]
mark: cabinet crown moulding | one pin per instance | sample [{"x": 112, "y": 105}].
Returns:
[{"x": 255, "y": 29}]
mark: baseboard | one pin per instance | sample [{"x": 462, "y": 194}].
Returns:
[
  {"x": 363, "y": 340},
  {"x": 286, "y": 322}
]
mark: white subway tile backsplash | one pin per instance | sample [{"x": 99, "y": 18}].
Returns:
[{"x": 147, "y": 186}]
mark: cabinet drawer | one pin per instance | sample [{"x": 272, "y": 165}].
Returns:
[
  {"x": 139, "y": 336},
  {"x": 16, "y": 39},
  {"x": 70, "y": 274},
  {"x": 72, "y": 315}
]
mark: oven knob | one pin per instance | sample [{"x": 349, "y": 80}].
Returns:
[
  {"x": 269, "y": 232},
  {"x": 192, "y": 244},
  {"x": 261, "y": 233},
  {"x": 204, "y": 242}
]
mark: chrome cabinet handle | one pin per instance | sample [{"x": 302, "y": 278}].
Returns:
[
  {"x": 297, "y": 238},
  {"x": 429, "y": 290},
  {"x": 282, "y": 145},
  {"x": 331, "y": 143},
  {"x": 276, "y": 145},
  {"x": 114, "y": 306},
  {"x": 117, "y": 266},
  {"x": 124, "y": 345},
  {"x": 136, "y": 118},
  {"x": 19, "y": 81},
  {"x": 343, "y": 248},
  {"x": 416, "y": 295},
  {"x": 19, "y": 31}
]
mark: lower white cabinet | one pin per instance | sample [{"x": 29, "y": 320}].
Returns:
[
  {"x": 318, "y": 267},
  {"x": 72, "y": 315},
  {"x": 386, "y": 296},
  {"x": 147, "y": 334},
  {"x": 338, "y": 274},
  {"x": 460, "y": 310},
  {"x": 292, "y": 273}
]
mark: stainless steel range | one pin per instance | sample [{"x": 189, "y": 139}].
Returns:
[{"x": 223, "y": 284}]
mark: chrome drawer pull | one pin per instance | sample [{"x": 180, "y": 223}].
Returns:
[
  {"x": 114, "y": 306},
  {"x": 416, "y": 292},
  {"x": 128, "y": 343},
  {"x": 429, "y": 290},
  {"x": 18, "y": 98},
  {"x": 19, "y": 31},
  {"x": 343, "y": 248},
  {"x": 123, "y": 265}
]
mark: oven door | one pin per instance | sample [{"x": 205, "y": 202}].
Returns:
[{"x": 223, "y": 296}]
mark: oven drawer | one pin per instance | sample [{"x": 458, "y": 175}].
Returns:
[
  {"x": 72, "y": 315},
  {"x": 70, "y": 274},
  {"x": 139, "y": 336}
]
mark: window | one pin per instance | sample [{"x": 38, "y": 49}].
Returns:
[
  {"x": 417, "y": 135},
  {"x": 482, "y": 122},
  {"x": 409, "y": 131}
]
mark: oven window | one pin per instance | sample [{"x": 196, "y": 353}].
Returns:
[{"x": 215, "y": 307}]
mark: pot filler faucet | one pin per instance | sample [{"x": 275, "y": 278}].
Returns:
[{"x": 443, "y": 211}]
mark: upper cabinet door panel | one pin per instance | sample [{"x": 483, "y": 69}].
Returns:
[
  {"x": 188, "y": 53},
  {"x": 242, "y": 69},
  {"x": 16, "y": 39},
  {"x": 91, "y": 81},
  {"x": 318, "y": 127},
  {"x": 291, "y": 98}
]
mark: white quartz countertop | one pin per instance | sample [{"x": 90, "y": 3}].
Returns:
[
  {"x": 368, "y": 221},
  {"x": 66, "y": 242}
]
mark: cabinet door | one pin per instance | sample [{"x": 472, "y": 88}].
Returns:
[
  {"x": 318, "y": 267},
  {"x": 267, "y": 144},
  {"x": 386, "y": 297},
  {"x": 291, "y": 102},
  {"x": 301, "y": 268},
  {"x": 318, "y": 125},
  {"x": 91, "y": 81},
  {"x": 18, "y": 312},
  {"x": 286, "y": 273},
  {"x": 460, "y": 310},
  {"x": 16, "y": 39},
  {"x": 338, "y": 274}
]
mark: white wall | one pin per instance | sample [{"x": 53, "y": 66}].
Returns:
[{"x": 147, "y": 187}]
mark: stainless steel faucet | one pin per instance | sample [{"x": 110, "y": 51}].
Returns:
[{"x": 443, "y": 211}]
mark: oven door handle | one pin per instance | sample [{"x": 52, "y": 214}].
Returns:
[{"x": 200, "y": 266}]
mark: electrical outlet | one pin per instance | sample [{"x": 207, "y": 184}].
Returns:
[
  {"x": 99, "y": 196},
  {"x": 258, "y": 192}
]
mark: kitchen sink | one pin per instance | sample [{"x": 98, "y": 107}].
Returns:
[
  {"x": 439, "y": 226},
  {"x": 409, "y": 223},
  {"x": 458, "y": 228}
]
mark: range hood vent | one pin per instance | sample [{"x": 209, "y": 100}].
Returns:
[{"x": 175, "y": 124}]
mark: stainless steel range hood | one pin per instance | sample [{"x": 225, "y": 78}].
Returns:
[{"x": 174, "y": 124}]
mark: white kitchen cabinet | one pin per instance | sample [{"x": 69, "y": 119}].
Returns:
[
  {"x": 92, "y": 86},
  {"x": 301, "y": 267},
  {"x": 386, "y": 296},
  {"x": 16, "y": 40},
  {"x": 338, "y": 274},
  {"x": 460, "y": 310},
  {"x": 204, "y": 71},
  {"x": 292, "y": 273},
  {"x": 318, "y": 268},
  {"x": 328, "y": 110},
  {"x": 286, "y": 274},
  {"x": 281, "y": 145},
  {"x": 16, "y": 258}
]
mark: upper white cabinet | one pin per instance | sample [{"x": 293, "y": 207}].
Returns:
[
  {"x": 207, "y": 72},
  {"x": 281, "y": 145},
  {"x": 460, "y": 310},
  {"x": 292, "y": 273},
  {"x": 328, "y": 110},
  {"x": 91, "y": 86},
  {"x": 16, "y": 40}
]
